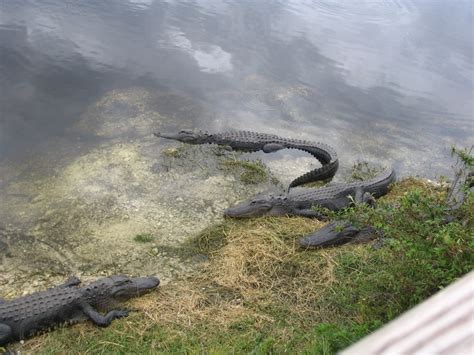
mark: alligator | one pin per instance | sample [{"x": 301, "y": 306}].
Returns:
[
  {"x": 26, "y": 316},
  {"x": 252, "y": 142},
  {"x": 300, "y": 202},
  {"x": 337, "y": 233}
]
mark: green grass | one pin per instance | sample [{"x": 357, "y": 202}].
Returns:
[
  {"x": 143, "y": 238},
  {"x": 258, "y": 293}
]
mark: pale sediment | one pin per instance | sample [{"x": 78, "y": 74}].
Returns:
[{"x": 82, "y": 216}]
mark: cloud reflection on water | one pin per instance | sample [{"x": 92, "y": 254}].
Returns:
[{"x": 367, "y": 65}]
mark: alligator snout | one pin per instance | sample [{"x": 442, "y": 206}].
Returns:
[
  {"x": 166, "y": 135},
  {"x": 144, "y": 284},
  {"x": 229, "y": 212}
]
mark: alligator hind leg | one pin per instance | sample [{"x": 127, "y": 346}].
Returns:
[
  {"x": 272, "y": 147},
  {"x": 369, "y": 199},
  {"x": 364, "y": 197},
  {"x": 5, "y": 333},
  {"x": 99, "y": 319}
]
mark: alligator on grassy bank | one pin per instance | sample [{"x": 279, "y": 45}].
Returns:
[
  {"x": 25, "y": 316},
  {"x": 337, "y": 233},
  {"x": 301, "y": 202},
  {"x": 252, "y": 142}
]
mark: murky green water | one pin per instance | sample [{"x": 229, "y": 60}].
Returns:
[{"x": 84, "y": 84}]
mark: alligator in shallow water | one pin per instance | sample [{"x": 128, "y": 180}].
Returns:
[
  {"x": 300, "y": 202},
  {"x": 253, "y": 142},
  {"x": 25, "y": 316}
]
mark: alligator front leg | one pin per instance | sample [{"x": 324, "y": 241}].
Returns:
[
  {"x": 334, "y": 233},
  {"x": 308, "y": 212},
  {"x": 99, "y": 319},
  {"x": 5, "y": 333},
  {"x": 70, "y": 282}
]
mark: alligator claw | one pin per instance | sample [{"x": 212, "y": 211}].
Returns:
[{"x": 121, "y": 313}]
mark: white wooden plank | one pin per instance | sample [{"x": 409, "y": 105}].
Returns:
[{"x": 443, "y": 324}]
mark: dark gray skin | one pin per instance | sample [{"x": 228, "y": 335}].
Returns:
[
  {"x": 337, "y": 233},
  {"x": 300, "y": 202},
  {"x": 25, "y": 316},
  {"x": 252, "y": 142}
]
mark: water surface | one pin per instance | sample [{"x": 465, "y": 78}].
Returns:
[{"x": 387, "y": 77}]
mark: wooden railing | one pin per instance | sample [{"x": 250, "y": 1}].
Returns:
[{"x": 443, "y": 324}]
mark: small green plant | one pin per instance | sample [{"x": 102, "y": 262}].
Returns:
[
  {"x": 465, "y": 156},
  {"x": 253, "y": 172},
  {"x": 143, "y": 238}
]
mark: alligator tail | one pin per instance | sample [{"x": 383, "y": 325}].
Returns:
[{"x": 325, "y": 172}]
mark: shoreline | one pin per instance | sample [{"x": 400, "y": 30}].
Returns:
[{"x": 270, "y": 296}]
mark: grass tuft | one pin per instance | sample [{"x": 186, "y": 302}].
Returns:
[{"x": 143, "y": 238}]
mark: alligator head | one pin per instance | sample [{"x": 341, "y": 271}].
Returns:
[
  {"x": 186, "y": 136},
  {"x": 334, "y": 233},
  {"x": 120, "y": 288},
  {"x": 269, "y": 205}
]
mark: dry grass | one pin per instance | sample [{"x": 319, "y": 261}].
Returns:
[
  {"x": 257, "y": 273},
  {"x": 260, "y": 264}
]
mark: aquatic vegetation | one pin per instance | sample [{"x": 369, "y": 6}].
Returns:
[
  {"x": 363, "y": 170},
  {"x": 253, "y": 172},
  {"x": 143, "y": 238}
]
